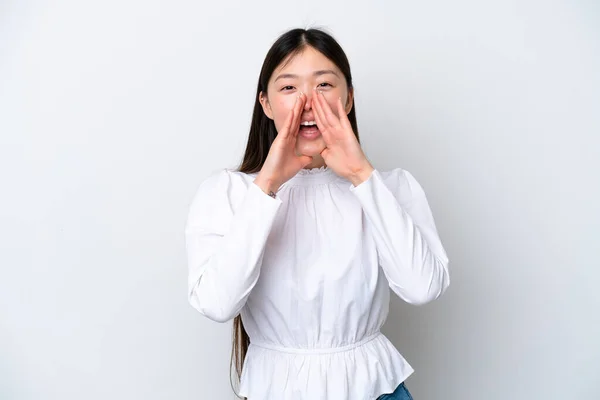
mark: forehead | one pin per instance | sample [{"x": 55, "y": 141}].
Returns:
[{"x": 304, "y": 63}]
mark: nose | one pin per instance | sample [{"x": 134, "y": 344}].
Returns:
[{"x": 308, "y": 104}]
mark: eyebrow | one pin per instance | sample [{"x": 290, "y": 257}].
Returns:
[{"x": 316, "y": 73}]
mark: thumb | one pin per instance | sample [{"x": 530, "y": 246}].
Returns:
[{"x": 305, "y": 160}]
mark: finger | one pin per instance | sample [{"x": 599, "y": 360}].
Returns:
[
  {"x": 300, "y": 101},
  {"x": 325, "y": 154},
  {"x": 344, "y": 121},
  {"x": 320, "y": 110},
  {"x": 329, "y": 115},
  {"x": 287, "y": 125},
  {"x": 319, "y": 118},
  {"x": 305, "y": 160}
]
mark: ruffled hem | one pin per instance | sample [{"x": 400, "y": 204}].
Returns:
[{"x": 358, "y": 373}]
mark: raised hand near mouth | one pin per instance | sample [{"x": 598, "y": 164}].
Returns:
[
  {"x": 343, "y": 153},
  {"x": 282, "y": 162}
]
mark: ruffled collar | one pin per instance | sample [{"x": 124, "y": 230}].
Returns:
[
  {"x": 313, "y": 176},
  {"x": 313, "y": 171}
]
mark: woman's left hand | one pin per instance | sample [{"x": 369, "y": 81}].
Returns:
[{"x": 343, "y": 153}]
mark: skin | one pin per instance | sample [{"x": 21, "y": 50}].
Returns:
[{"x": 298, "y": 91}]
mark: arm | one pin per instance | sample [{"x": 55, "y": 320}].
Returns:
[
  {"x": 225, "y": 235},
  {"x": 409, "y": 249}
]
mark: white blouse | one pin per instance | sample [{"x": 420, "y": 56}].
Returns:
[{"x": 310, "y": 272}]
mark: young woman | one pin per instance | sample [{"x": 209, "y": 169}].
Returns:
[{"x": 302, "y": 244}]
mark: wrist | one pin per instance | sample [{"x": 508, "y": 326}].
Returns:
[
  {"x": 267, "y": 185},
  {"x": 361, "y": 174}
]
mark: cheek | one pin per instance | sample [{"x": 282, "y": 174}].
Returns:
[
  {"x": 282, "y": 108},
  {"x": 331, "y": 98}
]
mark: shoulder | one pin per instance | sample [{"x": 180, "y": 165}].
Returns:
[
  {"x": 222, "y": 184},
  {"x": 224, "y": 178},
  {"x": 217, "y": 196},
  {"x": 402, "y": 183},
  {"x": 400, "y": 178}
]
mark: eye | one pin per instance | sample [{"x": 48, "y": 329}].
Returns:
[
  {"x": 324, "y": 83},
  {"x": 285, "y": 87}
]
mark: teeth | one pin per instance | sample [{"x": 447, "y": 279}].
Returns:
[{"x": 308, "y": 123}]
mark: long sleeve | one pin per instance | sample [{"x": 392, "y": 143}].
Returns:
[
  {"x": 226, "y": 231},
  {"x": 409, "y": 249}
]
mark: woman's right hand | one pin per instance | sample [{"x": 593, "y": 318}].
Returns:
[{"x": 282, "y": 162}]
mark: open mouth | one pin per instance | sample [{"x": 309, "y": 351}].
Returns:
[{"x": 309, "y": 130}]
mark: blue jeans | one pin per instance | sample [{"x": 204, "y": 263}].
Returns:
[{"x": 401, "y": 393}]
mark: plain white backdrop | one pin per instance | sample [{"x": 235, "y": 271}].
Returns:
[{"x": 113, "y": 112}]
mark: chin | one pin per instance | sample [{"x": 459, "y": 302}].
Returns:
[{"x": 310, "y": 148}]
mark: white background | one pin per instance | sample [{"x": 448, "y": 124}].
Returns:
[{"x": 112, "y": 113}]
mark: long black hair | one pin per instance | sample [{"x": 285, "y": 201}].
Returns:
[
  {"x": 291, "y": 43},
  {"x": 263, "y": 131}
]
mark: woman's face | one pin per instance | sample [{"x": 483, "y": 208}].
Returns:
[{"x": 308, "y": 70}]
